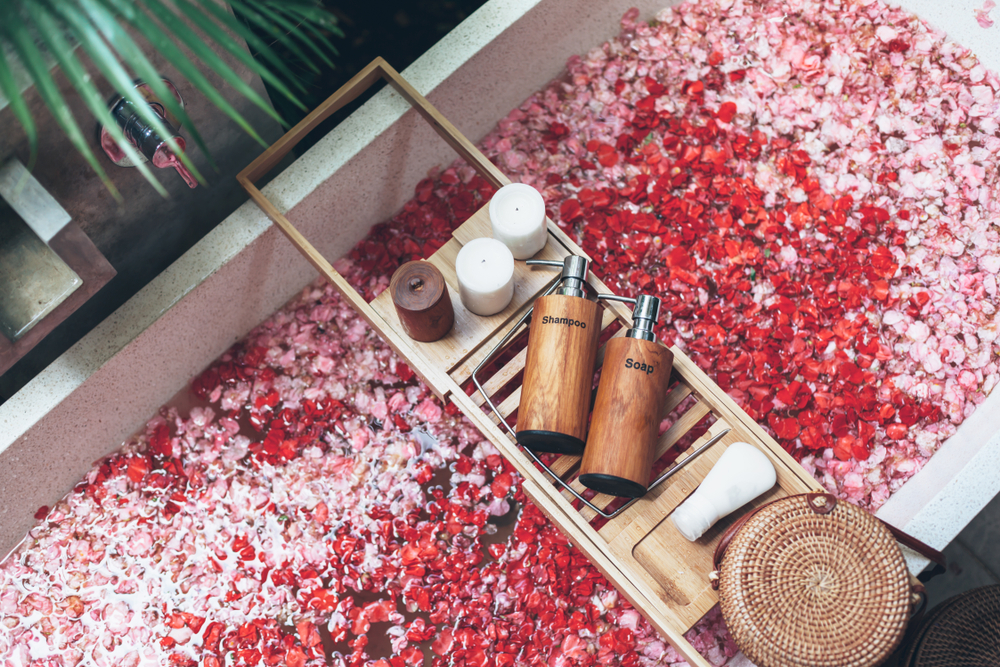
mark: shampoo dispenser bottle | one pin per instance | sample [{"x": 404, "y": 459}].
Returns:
[
  {"x": 631, "y": 395},
  {"x": 559, "y": 364}
]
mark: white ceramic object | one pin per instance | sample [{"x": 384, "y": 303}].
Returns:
[
  {"x": 742, "y": 473},
  {"x": 517, "y": 215}
]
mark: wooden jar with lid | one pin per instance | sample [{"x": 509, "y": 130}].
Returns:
[{"x": 422, "y": 301}]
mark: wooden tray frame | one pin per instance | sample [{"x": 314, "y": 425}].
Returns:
[{"x": 639, "y": 551}]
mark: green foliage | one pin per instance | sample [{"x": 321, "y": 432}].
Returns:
[{"x": 100, "y": 29}]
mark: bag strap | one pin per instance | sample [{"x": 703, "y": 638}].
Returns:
[
  {"x": 911, "y": 542},
  {"x": 821, "y": 503}
]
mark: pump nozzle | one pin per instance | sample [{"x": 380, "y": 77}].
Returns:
[
  {"x": 644, "y": 315},
  {"x": 574, "y": 274}
]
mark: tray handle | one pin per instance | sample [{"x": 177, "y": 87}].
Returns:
[
  {"x": 359, "y": 83},
  {"x": 347, "y": 93}
]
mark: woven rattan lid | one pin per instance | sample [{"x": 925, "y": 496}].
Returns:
[
  {"x": 804, "y": 589},
  {"x": 961, "y": 632}
]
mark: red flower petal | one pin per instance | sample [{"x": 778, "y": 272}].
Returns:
[{"x": 726, "y": 112}]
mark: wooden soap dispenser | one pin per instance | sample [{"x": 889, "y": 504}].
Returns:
[
  {"x": 559, "y": 364},
  {"x": 630, "y": 398}
]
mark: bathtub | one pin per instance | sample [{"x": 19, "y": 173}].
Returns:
[{"x": 104, "y": 388}]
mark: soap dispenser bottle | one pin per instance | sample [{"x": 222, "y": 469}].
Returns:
[
  {"x": 559, "y": 364},
  {"x": 630, "y": 399}
]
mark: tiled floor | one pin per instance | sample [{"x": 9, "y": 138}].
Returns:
[{"x": 973, "y": 557}]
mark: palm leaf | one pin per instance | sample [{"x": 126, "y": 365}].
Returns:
[
  {"x": 51, "y": 34},
  {"x": 108, "y": 64},
  {"x": 253, "y": 16},
  {"x": 213, "y": 61},
  {"x": 235, "y": 49},
  {"x": 115, "y": 34},
  {"x": 291, "y": 29},
  {"x": 312, "y": 18},
  {"x": 313, "y": 27},
  {"x": 16, "y": 33},
  {"x": 176, "y": 57},
  {"x": 10, "y": 90},
  {"x": 97, "y": 26}
]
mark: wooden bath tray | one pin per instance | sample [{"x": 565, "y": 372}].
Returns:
[{"x": 662, "y": 574}]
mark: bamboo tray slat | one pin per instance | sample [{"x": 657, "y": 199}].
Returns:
[{"x": 662, "y": 574}]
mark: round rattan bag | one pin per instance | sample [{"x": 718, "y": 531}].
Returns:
[
  {"x": 961, "y": 632},
  {"x": 807, "y": 581}
]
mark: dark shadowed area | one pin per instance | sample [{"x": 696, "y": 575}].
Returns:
[{"x": 147, "y": 234}]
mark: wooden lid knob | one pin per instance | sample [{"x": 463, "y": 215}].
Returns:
[{"x": 422, "y": 301}]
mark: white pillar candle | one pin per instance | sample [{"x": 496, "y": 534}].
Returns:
[
  {"x": 742, "y": 473},
  {"x": 485, "y": 269},
  {"x": 517, "y": 213}
]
